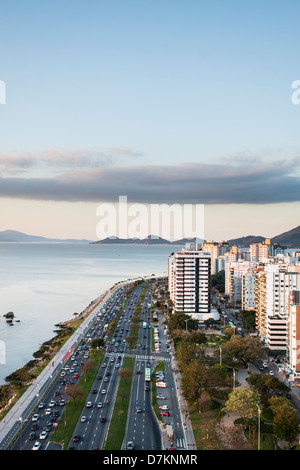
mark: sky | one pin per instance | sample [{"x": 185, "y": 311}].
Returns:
[{"x": 164, "y": 102}]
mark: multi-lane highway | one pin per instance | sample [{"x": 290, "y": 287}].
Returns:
[{"x": 36, "y": 429}]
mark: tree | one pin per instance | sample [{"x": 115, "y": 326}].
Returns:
[
  {"x": 125, "y": 373},
  {"x": 177, "y": 320},
  {"x": 97, "y": 343},
  {"x": 74, "y": 392},
  {"x": 186, "y": 352},
  {"x": 285, "y": 424},
  {"x": 244, "y": 402},
  {"x": 266, "y": 386},
  {"x": 244, "y": 349}
]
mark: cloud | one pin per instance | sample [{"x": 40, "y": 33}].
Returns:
[
  {"x": 256, "y": 183},
  {"x": 58, "y": 160}
]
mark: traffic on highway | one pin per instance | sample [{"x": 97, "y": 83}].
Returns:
[{"x": 37, "y": 431}]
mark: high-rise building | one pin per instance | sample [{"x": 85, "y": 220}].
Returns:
[
  {"x": 259, "y": 252},
  {"x": 189, "y": 283},
  {"x": 294, "y": 334}
]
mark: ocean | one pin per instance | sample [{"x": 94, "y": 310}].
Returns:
[{"x": 46, "y": 283}]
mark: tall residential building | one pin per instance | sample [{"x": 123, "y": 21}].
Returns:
[
  {"x": 214, "y": 250},
  {"x": 248, "y": 291},
  {"x": 189, "y": 283},
  {"x": 259, "y": 252},
  {"x": 272, "y": 302},
  {"x": 294, "y": 334},
  {"x": 235, "y": 270}
]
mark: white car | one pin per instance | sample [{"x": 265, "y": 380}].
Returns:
[
  {"x": 48, "y": 412},
  {"x": 43, "y": 435},
  {"x": 36, "y": 446},
  {"x": 83, "y": 419},
  {"x": 35, "y": 417}
]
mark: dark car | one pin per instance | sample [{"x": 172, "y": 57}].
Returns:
[{"x": 76, "y": 438}]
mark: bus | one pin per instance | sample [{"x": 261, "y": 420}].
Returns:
[
  {"x": 147, "y": 374},
  {"x": 144, "y": 324}
]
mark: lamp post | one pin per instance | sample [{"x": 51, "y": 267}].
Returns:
[{"x": 258, "y": 438}]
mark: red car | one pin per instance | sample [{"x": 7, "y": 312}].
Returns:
[
  {"x": 76, "y": 375},
  {"x": 165, "y": 413}
]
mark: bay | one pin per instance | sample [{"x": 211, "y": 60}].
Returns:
[{"x": 46, "y": 283}]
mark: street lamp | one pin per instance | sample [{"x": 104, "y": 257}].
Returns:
[{"x": 259, "y": 412}]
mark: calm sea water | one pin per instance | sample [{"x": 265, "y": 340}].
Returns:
[{"x": 44, "y": 284}]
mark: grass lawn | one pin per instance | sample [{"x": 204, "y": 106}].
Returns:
[
  {"x": 64, "y": 432},
  {"x": 119, "y": 418}
]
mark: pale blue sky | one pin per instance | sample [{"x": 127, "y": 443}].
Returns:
[{"x": 176, "y": 93}]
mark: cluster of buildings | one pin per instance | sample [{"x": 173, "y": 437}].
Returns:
[{"x": 262, "y": 277}]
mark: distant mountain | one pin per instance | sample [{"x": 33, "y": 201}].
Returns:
[
  {"x": 244, "y": 242},
  {"x": 290, "y": 239},
  {"x": 150, "y": 240},
  {"x": 12, "y": 236}
]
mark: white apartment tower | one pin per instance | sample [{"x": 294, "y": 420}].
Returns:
[{"x": 189, "y": 283}]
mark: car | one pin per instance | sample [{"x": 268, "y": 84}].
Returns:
[
  {"x": 76, "y": 438},
  {"x": 36, "y": 446},
  {"x": 52, "y": 403},
  {"x": 35, "y": 417},
  {"x": 89, "y": 404},
  {"x": 32, "y": 436},
  {"x": 271, "y": 372},
  {"x": 103, "y": 392},
  {"x": 117, "y": 365},
  {"x": 103, "y": 420},
  {"x": 83, "y": 419},
  {"x": 62, "y": 374},
  {"x": 104, "y": 364},
  {"x": 57, "y": 393},
  {"x": 47, "y": 412},
  {"x": 139, "y": 409},
  {"x": 43, "y": 435},
  {"x": 41, "y": 405},
  {"x": 94, "y": 391},
  {"x": 76, "y": 375},
  {"x": 100, "y": 404},
  {"x": 130, "y": 445},
  {"x": 163, "y": 407},
  {"x": 161, "y": 397},
  {"x": 105, "y": 379},
  {"x": 165, "y": 413}
]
